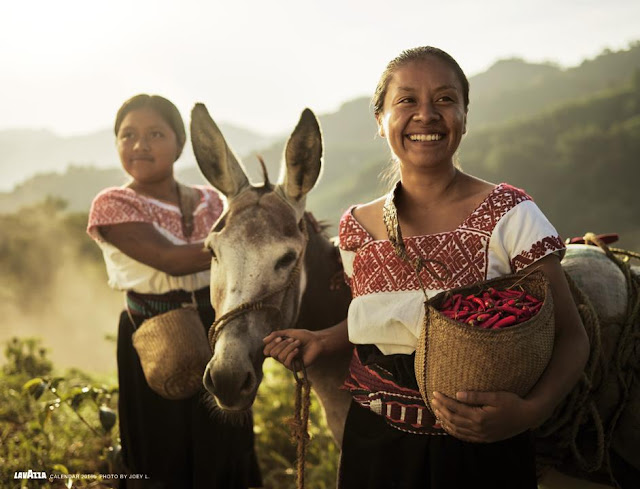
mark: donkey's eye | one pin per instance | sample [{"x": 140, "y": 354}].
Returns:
[{"x": 286, "y": 259}]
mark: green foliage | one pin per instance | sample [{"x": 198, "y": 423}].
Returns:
[
  {"x": 51, "y": 423},
  {"x": 69, "y": 424},
  {"x": 276, "y": 451},
  {"x": 579, "y": 162}
]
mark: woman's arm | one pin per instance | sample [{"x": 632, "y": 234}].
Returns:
[
  {"x": 493, "y": 416},
  {"x": 142, "y": 242},
  {"x": 286, "y": 344}
]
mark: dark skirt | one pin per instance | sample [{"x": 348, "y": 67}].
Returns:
[
  {"x": 378, "y": 456},
  {"x": 177, "y": 444}
]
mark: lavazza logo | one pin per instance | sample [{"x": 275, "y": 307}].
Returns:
[{"x": 30, "y": 474}]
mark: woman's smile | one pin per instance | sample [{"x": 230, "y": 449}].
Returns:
[
  {"x": 423, "y": 116},
  {"x": 429, "y": 137}
]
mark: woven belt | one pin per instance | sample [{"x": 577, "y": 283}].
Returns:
[
  {"x": 400, "y": 412},
  {"x": 149, "y": 305},
  {"x": 403, "y": 408}
]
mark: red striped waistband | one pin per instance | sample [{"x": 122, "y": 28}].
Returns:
[{"x": 404, "y": 409}]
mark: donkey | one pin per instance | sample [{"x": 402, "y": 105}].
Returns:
[{"x": 272, "y": 267}]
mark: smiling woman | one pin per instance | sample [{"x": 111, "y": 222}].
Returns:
[{"x": 463, "y": 230}]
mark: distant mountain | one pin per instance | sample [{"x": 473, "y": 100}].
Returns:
[
  {"x": 530, "y": 125},
  {"x": 77, "y": 186},
  {"x": 514, "y": 89},
  {"x": 24, "y": 153},
  {"x": 579, "y": 161}
]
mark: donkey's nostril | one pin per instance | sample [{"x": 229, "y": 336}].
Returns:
[
  {"x": 207, "y": 380},
  {"x": 248, "y": 384}
]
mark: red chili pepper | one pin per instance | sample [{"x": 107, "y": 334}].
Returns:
[
  {"x": 530, "y": 298},
  {"x": 491, "y": 321},
  {"x": 447, "y": 304},
  {"x": 479, "y": 303},
  {"x": 513, "y": 293},
  {"x": 534, "y": 309},
  {"x": 504, "y": 322},
  {"x": 469, "y": 305},
  {"x": 513, "y": 310},
  {"x": 458, "y": 300},
  {"x": 478, "y": 316}
]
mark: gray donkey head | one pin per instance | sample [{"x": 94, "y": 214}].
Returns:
[{"x": 257, "y": 248}]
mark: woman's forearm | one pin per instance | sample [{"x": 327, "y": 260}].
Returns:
[
  {"x": 335, "y": 338},
  {"x": 143, "y": 243},
  {"x": 570, "y": 354},
  {"x": 185, "y": 260},
  {"x": 570, "y": 351}
]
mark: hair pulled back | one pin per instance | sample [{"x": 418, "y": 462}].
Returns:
[
  {"x": 416, "y": 54},
  {"x": 165, "y": 109}
]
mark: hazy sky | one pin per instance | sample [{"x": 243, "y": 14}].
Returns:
[{"x": 67, "y": 65}]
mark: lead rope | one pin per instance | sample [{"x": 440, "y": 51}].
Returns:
[
  {"x": 580, "y": 405},
  {"x": 300, "y": 422}
]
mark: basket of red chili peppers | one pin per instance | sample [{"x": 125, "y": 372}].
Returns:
[{"x": 495, "y": 335}]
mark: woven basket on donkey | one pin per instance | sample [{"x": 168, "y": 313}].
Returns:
[
  {"x": 174, "y": 352},
  {"x": 452, "y": 356}
]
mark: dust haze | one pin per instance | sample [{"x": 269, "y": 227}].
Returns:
[{"x": 76, "y": 315}]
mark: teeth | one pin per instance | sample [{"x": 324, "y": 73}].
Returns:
[{"x": 425, "y": 137}]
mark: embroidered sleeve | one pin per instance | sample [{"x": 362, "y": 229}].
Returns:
[
  {"x": 523, "y": 236},
  {"x": 351, "y": 236},
  {"x": 212, "y": 209},
  {"x": 115, "y": 206},
  {"x": 214, "y": 202}
]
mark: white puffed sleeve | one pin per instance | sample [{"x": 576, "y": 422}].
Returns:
[{"x": 521, "y": 237}]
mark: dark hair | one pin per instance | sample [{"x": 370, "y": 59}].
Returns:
[
  {"x": 416, "y": 54},
  {"x": 163, "y": 107}
]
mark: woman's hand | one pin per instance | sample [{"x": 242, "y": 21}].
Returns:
[
  {"x": 483, "y": 417},
  {"x": 285, "y": 346}
]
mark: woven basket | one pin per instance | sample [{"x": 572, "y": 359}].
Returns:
[
  {"x": 453, "y": 357},
  {"x": 174, "y": 352}
]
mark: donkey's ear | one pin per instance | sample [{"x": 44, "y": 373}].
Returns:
[
  {"x": 215, "y": 158},
  {"x": 303, "y": 157}
]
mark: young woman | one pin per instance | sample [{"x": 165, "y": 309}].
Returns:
[
  {"x": 475, "y": 230},
  {"x": 156, "y": 255}
]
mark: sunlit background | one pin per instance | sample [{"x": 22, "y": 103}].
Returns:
[
  {"x": 68, "y": 64},
  {"x": 555, "y": 109}
]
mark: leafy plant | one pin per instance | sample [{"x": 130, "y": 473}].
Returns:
[
  {"x": 55, "y": 424},
  {"x": 276, "y": 451}
]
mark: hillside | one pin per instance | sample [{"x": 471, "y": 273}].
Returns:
[
  {"x": 568, "y": 136},
  {"x": 579, "y": 161},
  {"x": 515, "y": 90},
  {"x": 77, "y": 186},
  {"x": 25, "y": 152}
]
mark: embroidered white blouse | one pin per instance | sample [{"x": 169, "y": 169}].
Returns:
[
  {"x": 120, "y": 204},
  {"x": 504, "y": 234}
]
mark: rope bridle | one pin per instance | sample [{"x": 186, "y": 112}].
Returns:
[
  {"x": 262, "y": 303},
  {"x": 300, "y": 420}
]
